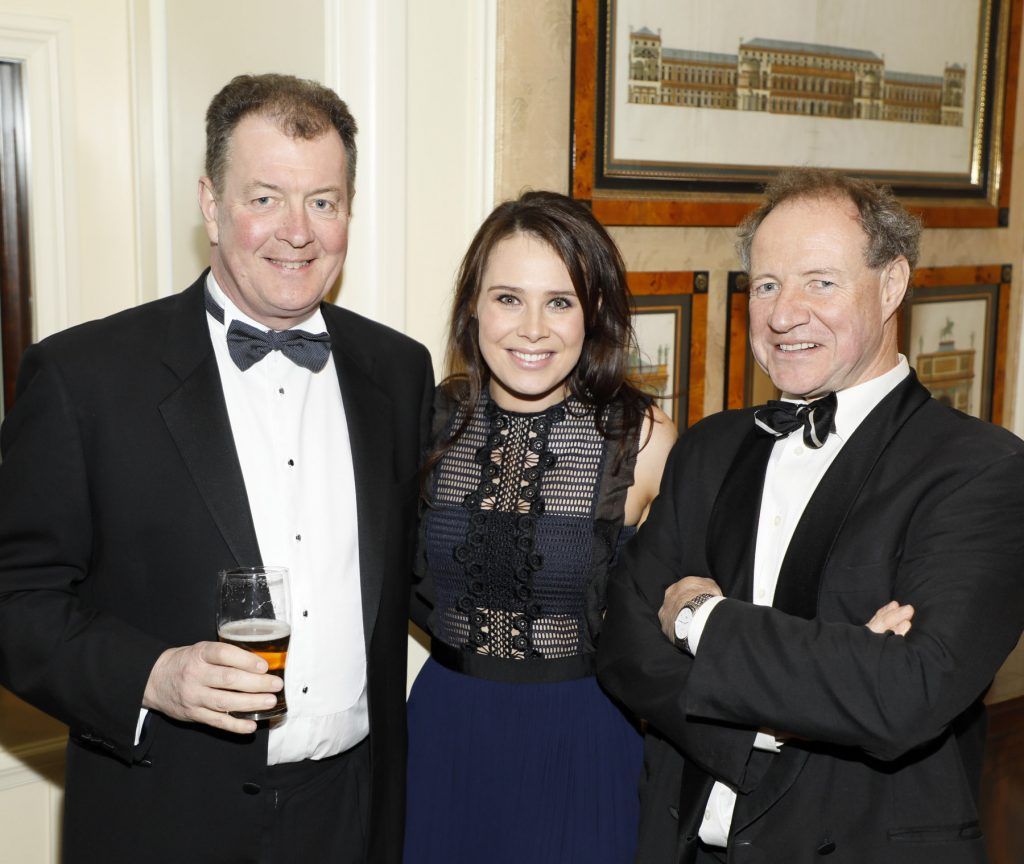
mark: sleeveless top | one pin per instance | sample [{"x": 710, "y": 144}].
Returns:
[{"x": 525, "y": 519}]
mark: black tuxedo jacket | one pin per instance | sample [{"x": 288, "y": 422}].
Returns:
[
  {"x": 121, "y": 496},
  {"x": 923, "y": 505}
]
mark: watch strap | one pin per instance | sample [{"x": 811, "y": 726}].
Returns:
[{"x": 692, "y": 605}]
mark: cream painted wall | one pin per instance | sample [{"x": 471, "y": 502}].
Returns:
[
  {"x": 97, "y": 197},
  {"x": 208, "y": 44},
  {"x": 99, "y": 106},
  {"x": 450, "y": 153}
]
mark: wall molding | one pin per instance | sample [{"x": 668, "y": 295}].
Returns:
[
  {"x": 151, "y": 149},
  {"x": 487, "y": 99},
  {"x": 43, "y": 46},
  {"x": 31, "y": 763},
  {"x": 365, "y": 63}
]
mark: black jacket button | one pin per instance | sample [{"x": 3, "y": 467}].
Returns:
[{"x": 251, "y": 788}]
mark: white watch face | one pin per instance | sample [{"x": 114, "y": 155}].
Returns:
[{"x": 683, "y": 620}]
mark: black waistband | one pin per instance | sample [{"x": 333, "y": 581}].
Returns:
[
  {"x": 513, "y": 671},
  {"x": 289, "y": 775}
]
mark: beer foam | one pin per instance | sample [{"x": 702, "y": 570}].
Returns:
[{"x": 254, "y": 630}]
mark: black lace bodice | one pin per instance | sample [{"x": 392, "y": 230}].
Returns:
[{"x": 526, "y": 517}]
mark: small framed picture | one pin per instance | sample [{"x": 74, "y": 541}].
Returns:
[
  {"x": 670, "y": 321},
  {"x": 954, "y": 333}
]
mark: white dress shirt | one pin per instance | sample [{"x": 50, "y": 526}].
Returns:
[
  {"x": 292, "y": 441},
  {"x": 793, "y": 473},
  {"x": 291, "y": 437}
]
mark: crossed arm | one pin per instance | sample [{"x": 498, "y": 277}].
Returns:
[
  {"x": 834, "y": 682},
  {"x": 890, "y": 618}
]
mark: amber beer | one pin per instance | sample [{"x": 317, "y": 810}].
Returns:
[
  {"x": 253, "y": 612},
  {"x": 269, "y": 639}
]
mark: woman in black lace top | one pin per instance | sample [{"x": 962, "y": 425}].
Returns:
[{"x": 545, "y": 459}]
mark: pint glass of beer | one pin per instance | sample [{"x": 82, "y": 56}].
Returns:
[{"x": 253, "y": 613}]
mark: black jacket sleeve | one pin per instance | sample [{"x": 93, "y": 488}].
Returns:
[{"x": 85, "y": 667}]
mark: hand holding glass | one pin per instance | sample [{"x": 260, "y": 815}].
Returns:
[{"x": 253, "y": 613}]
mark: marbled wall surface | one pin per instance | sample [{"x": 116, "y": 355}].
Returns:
[{"x": 533, "y": 151}]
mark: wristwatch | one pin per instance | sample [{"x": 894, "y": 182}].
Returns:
[{"x": 684, "y": 618}]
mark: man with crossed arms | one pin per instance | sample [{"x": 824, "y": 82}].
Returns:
[{"x": 782, "y": 730}]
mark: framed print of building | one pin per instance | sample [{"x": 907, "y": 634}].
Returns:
[
  {"x": 681, "y": 111},
  {"x": 783, "y": 77}
]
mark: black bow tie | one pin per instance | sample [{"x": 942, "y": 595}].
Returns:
[
  {"x": 817, "y": 419},
  {"x": 248, "y": 345}
]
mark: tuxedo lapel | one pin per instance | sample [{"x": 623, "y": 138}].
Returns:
[
  {"x": 731, "y": 536},
  {"x": 807, "y": 556},
  {"x": 732, "y": 541},
  {"x": 368, "y": 413},
  {"x": 826, "y": 512},
  {"x": 732, "y": 528},
  {"x": 196, "y": 416}
]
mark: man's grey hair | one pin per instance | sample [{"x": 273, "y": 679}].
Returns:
[{"x": 891, "y": 231}]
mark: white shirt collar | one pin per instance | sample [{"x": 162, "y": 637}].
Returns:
[
  {"x": 315, "y": 323},
  {"x": 855, "y": 403}
]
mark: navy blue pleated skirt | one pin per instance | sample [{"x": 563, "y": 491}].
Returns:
[{"x": 524, "y": 773}]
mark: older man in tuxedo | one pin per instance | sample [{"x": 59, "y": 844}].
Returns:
[
  {"x": 241, "y": 421},
  {"x": 781, "y": 728}
]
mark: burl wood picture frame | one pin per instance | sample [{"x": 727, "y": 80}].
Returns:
[
  {"x": 669, "y": 130},
  {"x": 670, "y": 315},
  {"x": 746, "y": 383},
  {"x": 955, "y": 331}
]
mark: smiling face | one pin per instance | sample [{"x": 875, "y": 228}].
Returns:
[
  {"x": 531, "y": 326},
  {"x": 821, "y": 319},
  {"x": 279, "y": 227}
]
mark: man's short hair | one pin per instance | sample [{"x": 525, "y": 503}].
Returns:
[
  {"x": 891, "y": 231},
  {"x": 301, "y": 108}
]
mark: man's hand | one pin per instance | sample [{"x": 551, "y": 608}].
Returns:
[
  {"x": 200, "y": 683},
  {"x": 678, "y": 595},
  {"x": 892, "y": 617}
]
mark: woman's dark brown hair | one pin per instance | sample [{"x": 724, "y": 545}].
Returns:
[{"x": 599, "y": 278}]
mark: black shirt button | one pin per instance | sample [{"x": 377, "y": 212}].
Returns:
[{"x": 251, "y": 788}]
